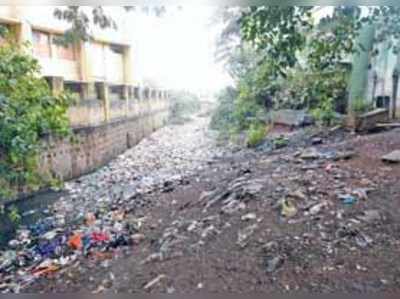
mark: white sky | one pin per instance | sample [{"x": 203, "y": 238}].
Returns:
[{"x": 178, "y": 49}]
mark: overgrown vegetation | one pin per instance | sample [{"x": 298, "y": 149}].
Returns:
[
  {"x": 359, "y": 106},
  {"x": 28, "y": 111},
  {"x": 256, "y": 134},
  {"x": 285, "y": 59},
  {"x": 242, "y": 108},
  {"x": 183, "y": 104}
]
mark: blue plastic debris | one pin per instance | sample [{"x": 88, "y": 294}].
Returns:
[{"x": 348, "y": 199}]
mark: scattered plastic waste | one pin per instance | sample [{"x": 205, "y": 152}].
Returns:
[
  {"x": 48, "y": 246},
  {"x": 348, "y": 199},
  {"x": 97, "y": 220},
  {"x": 289, "y": 210},
  {"x": 75, "y": 242}
]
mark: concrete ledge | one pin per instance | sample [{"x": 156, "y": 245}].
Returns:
[
  {"x": 367, "y": 121},
  {"x": 291, "y": 117}
]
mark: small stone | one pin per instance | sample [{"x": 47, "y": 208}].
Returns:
[
  {"x": 170, "y": 290},
  {"x": 273, "y": 264},
  {"x": 13, "y": 244},
  {"x": 344, "y": 155},
  {"x": 370, "y": 216},
  {"x": 90, "y": 219},
  {"x": 310, "y": 154},
  {"x": 314, "y": 210},
  {"x": 270, "y": 246},
  {"x": 233, "y": 206},
  {"x": 363, "y": 240},
  {"x": 137, "y": 238},
  {"x": 249, "y": 217},
  {"x": 209, "y": 231},
  {"x": 393, "y": 157},
  {"x": 155, "y": 257},
  {"x": 193, "y": 226},
  {"x": 361, "y": 193},
  {"x": 316, "y": 141},
  {"x": 361, "y": 268},
  {"x": 245, "y": 234},
  {"x": 50, "y": 235},
  {"x": 154, "y": 282},
  {"x": 298, "y": 194}
]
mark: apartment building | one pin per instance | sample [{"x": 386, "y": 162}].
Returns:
[{"x": 99, "y": 69}]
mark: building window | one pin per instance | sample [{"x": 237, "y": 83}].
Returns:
[
  {"x": 41, "y": 43},
  {"x": 67, "y": 52},
  {"x": 4, "y": 28},
  {"x": 99, "y": 87},
  {"x": 137, "y": 93},
  {"x": 147, "y": 93},
  {"x": 75, "y": 88},
  {"x": 130, "y": 92},
  {"x": 116, "y": 92},
  {"x": 117, "y": 49}
]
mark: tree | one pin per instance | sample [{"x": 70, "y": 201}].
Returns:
[
  {"x": 282, "y": 32},
  {"x": 28, "y": 111},
  {"x": 278, "y": 32},
  {"x": 81, "y": 20}
]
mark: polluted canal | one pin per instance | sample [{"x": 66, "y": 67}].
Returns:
[
  {"x": 90, "y": 215},
  {"x": 178, "y": 213}
]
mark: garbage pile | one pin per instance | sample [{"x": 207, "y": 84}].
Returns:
[
  {"x": 95, "y": 218},
  {"x": 49, "y": 246}
]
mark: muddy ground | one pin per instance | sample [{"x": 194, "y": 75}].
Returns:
[{"x": 320, "y": 214}]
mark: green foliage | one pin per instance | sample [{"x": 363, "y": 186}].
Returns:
[
  {"x": 14, "y": 215},
  {"x": 3, "y": 31},
  {"x": 28, "y": 111},
  {"x": 278, "y": 32},
  {"x": 247, "y": 112},
  {"x": 324, "y": 113},
  {"x": 81, "y": 21},
  {"x": 182, "y": 105},
  {"x": 223, "y": 116},
  {"x": 299, "y": 62},
  {"x": 237, "y": 112},
  {"x": 288, "y": 60},
  {"x": 255, "y": 134},
  {"x": 359, "y": 106},
  {"x": 280, "y": 142},
  {"x": 242, "y": 109},
  {"x": 305, "y": 88}
]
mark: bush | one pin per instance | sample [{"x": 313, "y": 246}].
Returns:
[
  {"x": 247, "y": 113},
  {"x": 325, "y": 113},
  {"x": 28, "y": 111},
  {"x": 255, "y": 134},
  {"x": 183, "y": 105},
  {"x": 235, "y": 114},
  {"x": 223, "y": 118},
  {"x": 359, "y": 106},
  {"x": 306, "y": 88}
]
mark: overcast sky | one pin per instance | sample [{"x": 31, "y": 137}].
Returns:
[{"x": 178, "y": 49}]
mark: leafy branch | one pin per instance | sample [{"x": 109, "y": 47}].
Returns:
[{"x": 28, "y": 111}]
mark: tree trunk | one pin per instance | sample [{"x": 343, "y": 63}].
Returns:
[{"x": 359, "y": 75}]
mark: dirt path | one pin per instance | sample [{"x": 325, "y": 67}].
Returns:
[{"x": 306, "y": 217}]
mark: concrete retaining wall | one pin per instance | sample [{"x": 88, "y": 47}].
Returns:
[{"x": 94, "y": 145}]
